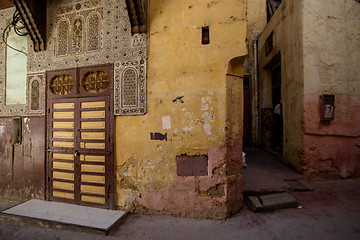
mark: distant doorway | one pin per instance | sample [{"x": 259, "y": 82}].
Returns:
[
  {"x": 277, "y": 119},
  {"x": 247, "y": 142}
]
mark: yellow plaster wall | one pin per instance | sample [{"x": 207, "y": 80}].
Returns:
[
  {"x": 179, "y": 66},
  {"x": 331, "y": 47},
  {"x": 256, "y": 22}
]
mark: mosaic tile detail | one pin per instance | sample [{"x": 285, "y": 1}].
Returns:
[{"x": 130, "y": 87}]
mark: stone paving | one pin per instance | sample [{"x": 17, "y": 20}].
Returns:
[{"x": 331, "y": 211}]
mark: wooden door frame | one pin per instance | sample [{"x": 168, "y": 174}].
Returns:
[{"x": 76, "y": 92}]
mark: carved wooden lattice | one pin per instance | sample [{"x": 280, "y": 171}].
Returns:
[
  {"x": 96, "y": 82},
  {"x": 130, "y": 87},
  {"x": 61, "y": 84}
]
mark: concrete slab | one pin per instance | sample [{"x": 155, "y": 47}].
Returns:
[
  {"x": 278, "y": 201},
  {"x": 92, "y": 218}
]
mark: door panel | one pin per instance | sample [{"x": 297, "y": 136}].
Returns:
[{"x": 61, "y": 146}]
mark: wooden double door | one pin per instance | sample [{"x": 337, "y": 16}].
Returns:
[{"x": 80, "y": 138}]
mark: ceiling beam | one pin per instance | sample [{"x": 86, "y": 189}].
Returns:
[
  {"x": 137, "y": 10},
  {"x": 5, "y": 4}
]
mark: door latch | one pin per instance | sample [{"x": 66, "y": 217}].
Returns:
[{"x": 76, "y": 153}]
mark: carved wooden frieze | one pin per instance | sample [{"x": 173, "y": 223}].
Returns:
[
  {"x": 130, "y": 87},
  {"x": 61, "y": 84},
  {"x": 96, "y": 81},
  {"x": 36, "y": 93}
]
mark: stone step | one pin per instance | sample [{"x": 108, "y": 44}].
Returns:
[
  {"x": 59, "y": 215},
  {"x": 271, "y": 202}
]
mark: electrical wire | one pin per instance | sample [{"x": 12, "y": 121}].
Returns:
[{"x": 19, "y": 28}]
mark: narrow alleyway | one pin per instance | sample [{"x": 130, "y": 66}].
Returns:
[
  {"x": 264, "y": 174},
  {"x": 330, "y": 211}
]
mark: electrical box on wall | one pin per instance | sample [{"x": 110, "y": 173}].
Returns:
[{"x": 327, "y": 107}]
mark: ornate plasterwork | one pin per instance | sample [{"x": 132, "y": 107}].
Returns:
[
  {"x": 130, "y": 87},
  {"x": 93, "y": 31},
  {"x": 111, "y": 42},
  {"x": 62, "y": 43},
  {"x": 77, "y": 39},
  {"x": 36, "y": 93}
]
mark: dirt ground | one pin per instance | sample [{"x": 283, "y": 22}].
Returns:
[{"x": 332, "y": 211}]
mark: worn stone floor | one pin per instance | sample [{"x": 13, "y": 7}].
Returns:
[
  {"x": 330, "y": 211},
  {"x": 264, "y": 174}
]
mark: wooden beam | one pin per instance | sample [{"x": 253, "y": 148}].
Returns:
[
  {"x": 5, "y": 4},
  {"x": 33, "y": 13},
  {"x": 137, "y": 10}
]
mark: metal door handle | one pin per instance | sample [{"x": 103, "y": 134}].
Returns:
[{"x": 76, "y": 153}]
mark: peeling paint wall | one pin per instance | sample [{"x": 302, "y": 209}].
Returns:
[
  {"x": 331, "y": 66},
  {"x": 22, "y": 175},
  {"x": 286, "y": 26},
  {"x": 187, "y": 100}
]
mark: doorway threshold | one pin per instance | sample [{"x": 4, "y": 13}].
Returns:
[{"x": 68, "y": 214}]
